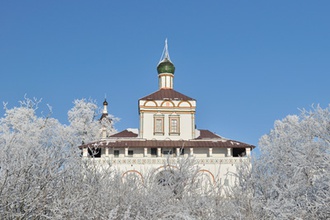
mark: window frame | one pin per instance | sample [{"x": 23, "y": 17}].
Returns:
[
  {"x": 167, "y": 151},
  {"x": 130, "y": 153},
  {"x": 158, "y": 129},
  {"x": 115, "y": 153},
  {"x": 173, "y": 131},
  {"x": 153, "y": 152}
]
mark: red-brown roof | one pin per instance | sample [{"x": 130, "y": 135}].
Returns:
[
  {"x": 124, "y": 133},
  {"x": 142, "y": 143},
  {"x": 206, "y": 134},
  {"x": 206, "y": 139},
  {"x": 203, "y": 134},
  {"x": 166, "y": 94}
]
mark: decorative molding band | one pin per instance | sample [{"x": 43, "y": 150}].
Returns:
[{"x": 161, "y": 161}]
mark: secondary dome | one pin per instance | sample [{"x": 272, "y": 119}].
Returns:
[{"x": 165, "y": 66}]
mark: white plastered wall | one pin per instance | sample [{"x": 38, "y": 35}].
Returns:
[
  {"x": 184, "y": 110},
  {"x": 221, "y": 170}
]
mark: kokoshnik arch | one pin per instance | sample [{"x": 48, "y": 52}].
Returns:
[{"x": 167, "y": 132}]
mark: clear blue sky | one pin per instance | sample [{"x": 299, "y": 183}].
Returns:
[{"x": 247, "y": 63}]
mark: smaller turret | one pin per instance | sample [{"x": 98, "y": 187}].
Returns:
[
  {"x": 104, "y": 116},
  {"x": 105, "y": 109}
]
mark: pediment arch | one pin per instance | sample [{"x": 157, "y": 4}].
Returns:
[
  {"x": 132, "y": 175},
  {"x": 167, "y": 103},
  {"x": 184, "y": 104},
  {"x": 150, "y": 103}
]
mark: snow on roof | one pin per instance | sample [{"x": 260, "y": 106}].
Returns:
[
  {"x": 206, "y": 134},
  {"x": 133, "y": 130},
  {"x": 125, "y": 133}
]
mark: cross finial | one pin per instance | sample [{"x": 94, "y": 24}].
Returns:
[{"x": 165, "y": 54}]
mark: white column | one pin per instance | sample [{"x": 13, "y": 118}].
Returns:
[
  {"x": 193, "y": 130},
  {"x": 104, "y": 132},
  {"x": 105, "y": 109},
  {"x": 178, "y": 152},
  {"x": 126, "y": 152},
  {"x": 229, "y": 152},
  {"x": 159, "y": 152},
  {"x": 145, "y": 152},
  {"x": 141, "y": 124},
  {"x": 191, "y": 151},
  {"x": 248, "y": 151},
  {"x": 85, "y": 152},
  {"x": 165, "y": 81},
  {"x": 210, "y": 152},
  {"x": 106, "y": 151}
]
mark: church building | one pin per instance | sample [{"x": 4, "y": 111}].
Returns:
[{"x": 167, "y": 132}]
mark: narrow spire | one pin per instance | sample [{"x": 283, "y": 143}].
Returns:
[{"x": 165, "y": 54}]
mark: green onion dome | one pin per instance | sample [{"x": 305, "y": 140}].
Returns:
[{"x": 165, "y": 66}]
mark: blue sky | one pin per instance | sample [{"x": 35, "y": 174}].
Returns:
[{"x": 247, "y": 63}]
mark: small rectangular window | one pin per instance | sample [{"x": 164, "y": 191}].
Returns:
[
  {"x": 153, "y": 152},
  {"x": 94, "y": 152},
  {"x": 167, "y": 151},
  {"x": 116, "y": 153},
  {"x": 238, "y": 152},
  {"x": 130, "y": 153},
  {"x": 174, "y": 125},
  {"x": 159, "y": 125}
]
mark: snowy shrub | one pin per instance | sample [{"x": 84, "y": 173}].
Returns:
[{"x": 43, "y": 176}]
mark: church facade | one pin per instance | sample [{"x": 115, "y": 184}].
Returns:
[{"x": 167, "y": 133}]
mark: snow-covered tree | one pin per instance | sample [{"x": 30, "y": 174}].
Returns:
[
  {"x": 32, "y": 156},
  {"x": 42, "y": 175},
  {"x": 293, "y": 171},
  {"x": 84, "y": 124},
  {"x": 41, "y": 171},
  {"x": 290, "y": 179}
]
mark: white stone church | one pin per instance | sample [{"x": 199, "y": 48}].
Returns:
[{"x": 167, "y": 132}]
